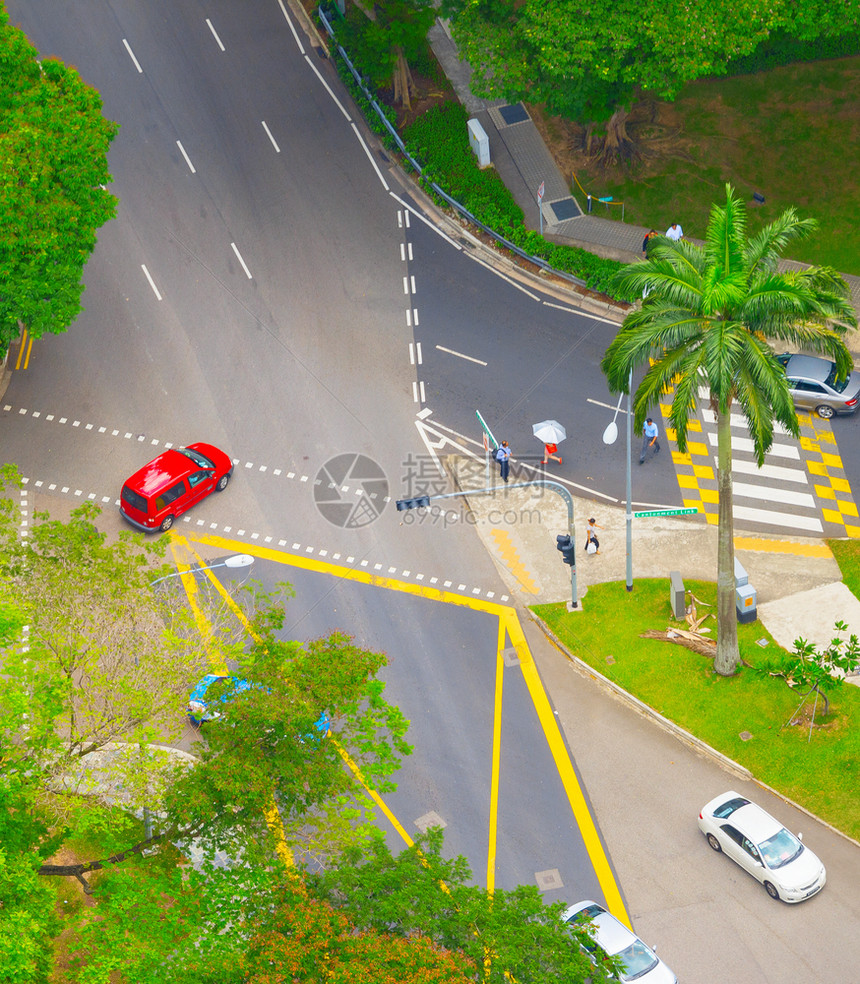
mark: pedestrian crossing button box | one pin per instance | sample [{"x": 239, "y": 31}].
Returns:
[
  {"x": 741, "y": 576},
  {"x": 677, "y": 596},
  {"x": 745, "y": 603}
]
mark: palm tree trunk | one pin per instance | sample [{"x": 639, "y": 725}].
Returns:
[{"x": 728, "y": 656}]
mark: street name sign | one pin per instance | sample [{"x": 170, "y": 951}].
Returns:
[{"x": 666, "y": 512}]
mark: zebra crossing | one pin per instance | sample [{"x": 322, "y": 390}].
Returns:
[{"x": 800, "y": 489}]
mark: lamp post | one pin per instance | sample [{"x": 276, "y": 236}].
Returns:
[
  {"x": 610, "y": 435},
  {"x": 238, "y": 560},
  {"x": 424, "y": 500}
]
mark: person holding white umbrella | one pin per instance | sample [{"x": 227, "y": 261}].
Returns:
[{"x": 552, "y": 434}]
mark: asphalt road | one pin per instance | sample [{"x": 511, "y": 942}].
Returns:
[
  {"x": 260, "y": 301},
  {"x": 310, "y": 356}
]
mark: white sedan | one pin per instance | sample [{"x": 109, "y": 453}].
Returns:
[
  {"x": 638, "y": 962},
  {"x": 763, "y": 847}
]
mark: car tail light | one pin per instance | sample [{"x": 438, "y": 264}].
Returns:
[
  {"x": 701, "y": 817},
  {"x": 851, "y": 403}
]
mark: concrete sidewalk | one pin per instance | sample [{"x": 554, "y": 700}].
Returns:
[
  {"x": 523, "y": 162},
  {"x": 798, "y": 582}
]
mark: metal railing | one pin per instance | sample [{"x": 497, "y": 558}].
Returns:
[{"x": 461, "y": 209}]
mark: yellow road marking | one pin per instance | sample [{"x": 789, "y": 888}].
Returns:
[
  {"x": 512, "y": 560},
  {"x": 798, "y": 547},
  {"x": 566, "y": 773},
  {"x": 492, "y": 838},
  {"x": 508, "y": 622},
  {"x": 21, "y": 350}
]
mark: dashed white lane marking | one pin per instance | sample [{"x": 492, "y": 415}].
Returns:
[
  {"x": 239, "y": 258},
  {"x": 151, "y": 281},
  {"x": 187, "y": 158},
  {"x": 306, "y": 549},
  {"x": 415, "y": 356},
  {"x": 131, "y": 55},
  {"x": 460, "y": 355},
  {"x": 269, "y": 135},
  {"x": 215, "y": 34}
]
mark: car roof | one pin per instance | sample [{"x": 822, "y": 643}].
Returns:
[
  {"x": 809, "y": 367},
  {"x": 611, "y": 935},
  {"x": 751, "y": 820},
  {"x": 168, "y": 467}
]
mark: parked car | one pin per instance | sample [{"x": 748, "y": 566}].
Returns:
[
  {"x": 763, "y": 847},
  {"x": 612, "y": 938},
  {"x": 172, "y": 483},
  {"x": 202, "y": 704},
  {"x": 813, "y": 385}
]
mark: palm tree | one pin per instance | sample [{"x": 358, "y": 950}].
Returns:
[{"x": 707, "y": 316}]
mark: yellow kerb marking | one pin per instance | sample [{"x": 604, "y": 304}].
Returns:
[
  {"x": 696, "y": 447},
  {"x": 799, "y": 548},
  {"x": 824, "y": 492},
  {"x": 710, "y": 495},
  {"x": 831, "y": 460},
  {"x": 687, "y": 482},
  {"x": 832, "y": 516},
  {"x": 841, "y": 485},
  {"x": 817, "y": 468},
  {"x": 512, "y": 560},
  {"x": 808, "y": 444},
  {"x": 847, "y": 508},
  {"x": 703, "y": 471}
]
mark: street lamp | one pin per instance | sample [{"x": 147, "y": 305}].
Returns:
[
  {"x": 238, "y": 560},
  {"x": 610, "y": 435},
  {"x": 422, "y": 501}
]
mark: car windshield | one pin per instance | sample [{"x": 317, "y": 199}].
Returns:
[
  {"x": 196, "y": 457},
  {"x": 636, "y": 960},
  {"x": 833, "y": 383},
  {"x": 780, "y": 849}
]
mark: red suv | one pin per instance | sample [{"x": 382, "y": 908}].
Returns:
[{"x": 171, "y": 483}]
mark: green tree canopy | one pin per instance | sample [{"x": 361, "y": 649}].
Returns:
[
  {"x": 707, "y": 320},
  {"x": 53, "y": 172},
  {"x": 585, "y": 59}
]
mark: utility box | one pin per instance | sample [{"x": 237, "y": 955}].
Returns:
[
  {"x": 745, "y": 603},
  {"x": 677, "y": 596},
  {"x": 480, "y": 143},
  {"x": 741, "y": 576}
]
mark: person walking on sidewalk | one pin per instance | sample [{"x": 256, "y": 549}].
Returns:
[
  {"x": 646, "y": 242},
  {"x": 503, "y": 456},
  {"x": 592, "y": 544},
  {"x": 649, "y": 439},
  {"x": 549, "y": 451},
  {"x": 675, "y": 232}
]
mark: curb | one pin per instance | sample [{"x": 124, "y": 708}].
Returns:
[{"x": 676, "y": 730}]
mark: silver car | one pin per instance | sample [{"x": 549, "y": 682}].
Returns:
[
  {"x": 813, "y": 385},
  {"x": 762, "y": 847},
  {"x": 613, "y": 938}
]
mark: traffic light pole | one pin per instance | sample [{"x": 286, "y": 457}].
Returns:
[{"x": 541, "y": 483}]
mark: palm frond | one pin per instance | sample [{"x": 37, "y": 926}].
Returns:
[{"x": 766, "y": 247}]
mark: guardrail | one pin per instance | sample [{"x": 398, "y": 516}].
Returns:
[{"x": 461, "y": 209}]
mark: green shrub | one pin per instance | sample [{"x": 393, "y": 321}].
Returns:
[
  {"x": 439, "y": 140},
  {"x": 779, "y": 49}
]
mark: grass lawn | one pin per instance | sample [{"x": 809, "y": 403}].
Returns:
[
  {"x": 822, "y": 772},
  {"x": 847, "y": 554},
  {"x": 792, "y": 134}
]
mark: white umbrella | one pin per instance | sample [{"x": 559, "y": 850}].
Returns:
[{"x": 549, "y": 431}]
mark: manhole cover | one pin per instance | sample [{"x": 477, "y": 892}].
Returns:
[{"x": 513, "y": 114}]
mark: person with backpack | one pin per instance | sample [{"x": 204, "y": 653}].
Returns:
[{"x": 502, "y": 454}]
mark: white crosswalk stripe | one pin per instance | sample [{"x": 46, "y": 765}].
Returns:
[{"x": 777, "y": 495}]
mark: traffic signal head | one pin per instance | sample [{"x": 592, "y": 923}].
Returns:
[
  {"x": 416, "y": 503},
  {"x": 568, "y": 549}
]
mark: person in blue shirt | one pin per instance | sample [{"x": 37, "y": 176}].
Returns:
[
  {"x": 649, "y": 439},
  {"x": 503, "y": 456}
]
